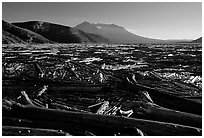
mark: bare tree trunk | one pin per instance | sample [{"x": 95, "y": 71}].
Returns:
[{"x": 103, "y": 121}]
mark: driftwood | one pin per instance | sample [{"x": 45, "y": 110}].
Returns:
[
  {"x": 142, "y": 110},
  {"x": 87, "y": 133},
  {"x": 75, "y": 101},
  {"x": 81, "y": 89},
  {"x": 42, "y": 91},
  {"x": 148, "y": 117},
  {"x": 103, "y": 121},
  {"x": 64, "y": 107},
  {"x": 39, "y": 70},
  {"x": 8, "y": 103},
  {"x": 103, "y": 108},
  {"x": 37, "y": 103},
  {"x": 154, "y": 112},
  {"x": 67, "y": 127},
  {"x": 167, "y": 100},
  {"x": 6, "y": 111},
  {"x": 24, "y": 131},
  {"x": 7, "y": 107},
  {"x": 25, "y": 99},
  {"x": 73, "y": 129},
  {"x": 12, "y": 121}
]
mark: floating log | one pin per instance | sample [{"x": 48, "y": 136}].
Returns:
[
  {"x": 74, "y": 101},
  {"x": 25, "y": 99},
  {"x": 12, "y": 121},
  {"x": 64, "y": 107},
  {"x": 39, "y": 70},
  {"x": 7, "y": 107},
  {"x": 36, "y": 103},
  {"x": 25, "y": 131},
  {"x": 87, "y": 133},
  {"x": 67, "y": 127},
  {"x": 103, "y": 108},
  {"x": 104, "y": 121},
  {"x": 130, "y": 132},
  {"x": 42, "y": 91},
  {"x": 167, "y": 100},
  {"x": 71, "y": 128},
  {"x": 151, "y": 111},
  {"x": 8, "y": 103},
  {"x": 6, "y": 111},
  {"x": 81, "y": 89}
]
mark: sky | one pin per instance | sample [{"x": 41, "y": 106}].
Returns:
[{"x": 175, "y": 20}]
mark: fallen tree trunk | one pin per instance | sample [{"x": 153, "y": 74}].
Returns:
[
  {"x": 24, "y": 131},
  {"x": 71, "y": 128},
  {"x": 59, "y": 89},
  {"x": 25, "y": 99},
  {"x": 103, "y": 121},
  {"x": 153, "y": 112},
  {"x": 65, "y": 107},
  {"x": 7, "y": 107},
  {"x": 6, "y": 111},
  {"x": 65, "y": 89},
  {"x": 167, "y": 100},
  {"x": 42, "y": 124}
]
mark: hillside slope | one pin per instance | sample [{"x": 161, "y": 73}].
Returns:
[
  {"x": 199, "y": 40},
  {"x": 14, "y": 34},
  {"x": 8, "y": 38}
]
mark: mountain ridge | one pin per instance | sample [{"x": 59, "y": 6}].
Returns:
[
  {"x": 60, "y": 33},
  {"x": 85, "y": 32}
]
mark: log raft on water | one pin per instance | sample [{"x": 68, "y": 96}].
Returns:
[{"x": 71, "y": 111}]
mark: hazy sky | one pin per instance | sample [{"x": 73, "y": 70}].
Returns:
[{"x": 155, "y": 20}]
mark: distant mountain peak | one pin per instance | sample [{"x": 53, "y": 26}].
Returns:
[
  {"x": 100, "y": 25},
  {"x": 85, "y": 23},
  {"x": 109, "y": 25},
  {"x": 115, "y": 33}
]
